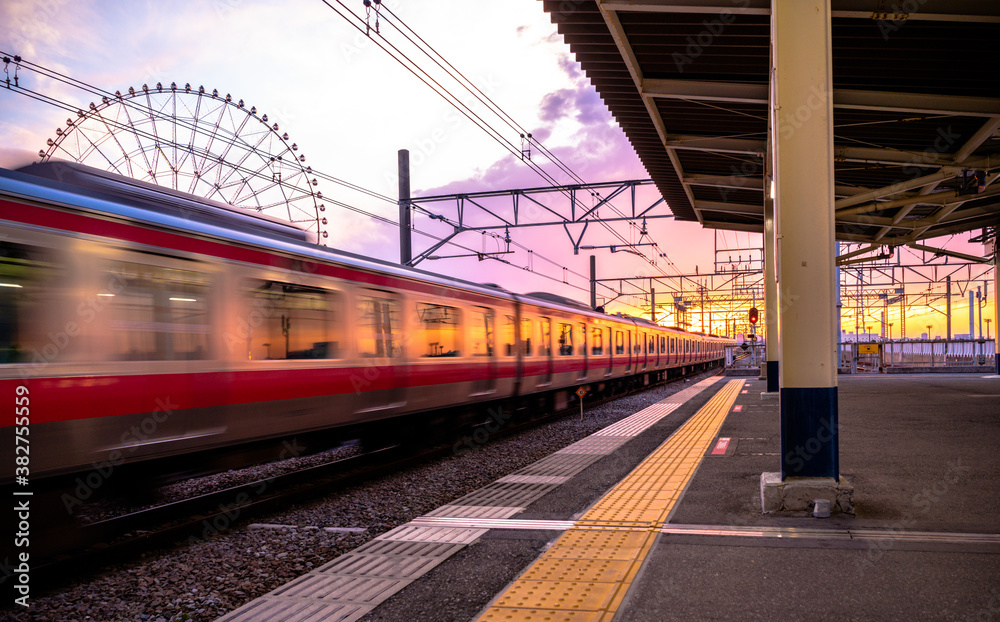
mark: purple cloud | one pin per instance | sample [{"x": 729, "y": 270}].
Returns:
[
  {"x": 556, "y": 105},
  {"x": 570, "y": 66}
]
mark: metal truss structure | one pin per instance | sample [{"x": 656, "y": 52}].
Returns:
[
  {"x": 877, "y": 294},
  {"x": 503, "y": 210}
]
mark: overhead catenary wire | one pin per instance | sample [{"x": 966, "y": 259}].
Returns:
[
  {"x": 446, "y": 94},
  {"x": 506, "y": 118},
  {"x": 147, "y": 110},
  {"x": 438, "y": 59}
]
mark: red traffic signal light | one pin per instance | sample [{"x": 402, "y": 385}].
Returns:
[{"x": 753, "y": 315}]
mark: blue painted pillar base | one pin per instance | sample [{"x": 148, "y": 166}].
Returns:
[
  {"x": 772, "y": 376},
  {"x": 809, "y": 433}
]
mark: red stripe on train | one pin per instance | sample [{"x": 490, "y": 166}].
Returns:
[{"x": 69, "y": 398}]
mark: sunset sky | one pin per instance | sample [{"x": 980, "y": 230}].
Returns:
[{"x": 351, "y": 107}]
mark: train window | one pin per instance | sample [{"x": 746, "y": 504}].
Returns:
[
  {"x": 509, "y": 339},
  {"x": 546, "y": 347},
  {"x": 583, "y": 339},
  {"x": 652, "y": 344},
  {"x": 663, "y": 345},
  {"x": 481, "y": 332},
  {"x": 565, "y": 339},
  {"x": 158, "y": 314},
  {"x": 619, "y": 342},
  {"x": 33, "y": 286},
  {"x": 438, "y": 330},
  {"x": 289, "y": 321},
  {"x": 378, "y": 326},
  {"x": 597, "y": 341},
  {"x": 637, "y": 348},
  {"x": 526, "y": 334}
]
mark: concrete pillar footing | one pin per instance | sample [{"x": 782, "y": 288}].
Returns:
[
  {"x": 798, "y": 494},
  {"x": 769, "y": 395}
]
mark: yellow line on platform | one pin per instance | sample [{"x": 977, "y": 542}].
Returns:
[{"x": 588, "y": 570}]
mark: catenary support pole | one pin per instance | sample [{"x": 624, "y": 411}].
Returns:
[
  {"x": 947, "y": 305},
  {"x": 805, "y": 238},
  {"x": 593, "y": 282},
  {"x": 405, "y": 229}
]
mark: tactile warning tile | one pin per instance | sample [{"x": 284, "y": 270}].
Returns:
[
  {"x": 594, "y": 444},
  {"x": 475, "y": 511},
  {"x": 506, "y": 494},
  {"x": 682, "y": 396},
  {"x": 381, "y": 566},
  {"x": 363, "y": 590},
  {"x": 265, "y": 610},
  {"x": 406, "y": 549},
  {"x": 347, "y": 588},
  {"x": 565, "y": 465},
  {"x": 636, "y": 424},
  {"x": 540, "y": 615},
  {"x": 437, "y": 535},
  {"x": 571, "y": 595},
  {"x": 589, "y": 569},
  {"x": 591, "y": 544},
  {"x": 532, "y": 479},
  {"x": 580, "y": 570}
]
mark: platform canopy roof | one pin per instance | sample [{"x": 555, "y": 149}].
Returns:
[{"x": 916, "y": 98}]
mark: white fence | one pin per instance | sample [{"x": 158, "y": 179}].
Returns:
[{"x": 967, "y": 353}]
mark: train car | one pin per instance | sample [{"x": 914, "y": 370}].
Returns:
[{"x": 145, "y": 323}]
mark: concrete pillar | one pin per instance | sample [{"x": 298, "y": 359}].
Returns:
[
  {"x": 805, "y": 238},
  {"x": 405, "y": 241}
]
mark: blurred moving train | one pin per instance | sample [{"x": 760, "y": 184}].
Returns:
[{"x": 143, "y": 322}]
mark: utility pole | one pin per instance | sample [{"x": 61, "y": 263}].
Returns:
[
  {"x": 405, "y": 241},
  {"x": 947, "y": 306},
  {"x": 593, "y": 282}
]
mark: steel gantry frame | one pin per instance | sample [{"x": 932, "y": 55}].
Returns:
[{"x": 532, "y": 212}]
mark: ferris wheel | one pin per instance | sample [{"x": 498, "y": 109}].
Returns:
[{"x": 197, "y": 142}]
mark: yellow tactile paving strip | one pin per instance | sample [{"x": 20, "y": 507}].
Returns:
[{"x": 586, "y": 573}]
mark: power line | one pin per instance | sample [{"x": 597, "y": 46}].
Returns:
[
  {"x": 145, "y": 109},
  {"x": 452, "y": 72}
]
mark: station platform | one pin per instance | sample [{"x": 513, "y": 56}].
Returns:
[{"x": 658, "y": 517}]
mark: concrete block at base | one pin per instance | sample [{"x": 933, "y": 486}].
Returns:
[{"x": 797, "y": 494}]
